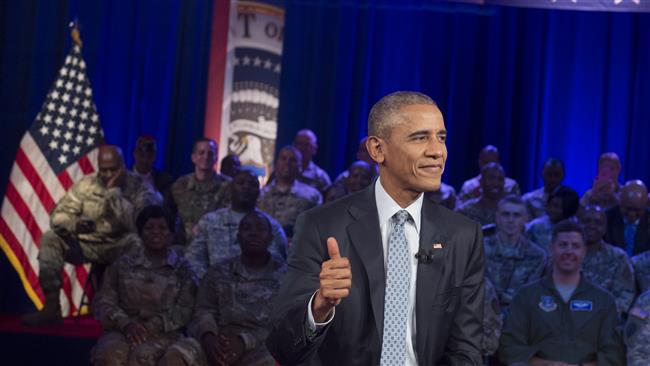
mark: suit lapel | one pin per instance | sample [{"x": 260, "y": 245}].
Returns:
[
  {"x": 365, "y": 237},
  {"x": 430, "y": 276}
]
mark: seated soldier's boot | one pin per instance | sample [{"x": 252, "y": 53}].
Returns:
[{"x": 50, "y": 314}]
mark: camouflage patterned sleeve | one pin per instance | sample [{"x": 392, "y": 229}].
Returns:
[
  {"x": 145, "y": 196},
  {"x": 206, "y": 311},
  {"x": 492, "y": 320},
  {"x": 106, "y": 303},
  {"x": 538, "y": 270},
  {"x": 180, "y": 313},
  {"x": 67, "y": 212},
  {"x": 637, "y": 332},
  {"x": 121, "y": 209},
  {"x": 197, "y": 251},
  {"x": 624, "y": 289}
]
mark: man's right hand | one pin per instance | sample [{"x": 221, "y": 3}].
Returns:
[{"x": 335, "y": 282}]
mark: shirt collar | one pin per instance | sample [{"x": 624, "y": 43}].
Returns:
[{"x": 387, "y": 207}]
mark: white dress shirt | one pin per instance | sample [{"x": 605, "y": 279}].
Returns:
[{"x": 386, "y": 208}]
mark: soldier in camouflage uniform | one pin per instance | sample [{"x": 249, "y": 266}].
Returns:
[
  {"x": 483, "y": 208},
  {"x": 233, "y": 304},
  {"x": 146, "y": 296},
  {"x": 471, "y": 188},
  {"x": 562, "y": 204},
  {"x": 89, "y": 224},
  {"x": 195, "y": 194},
  {"x": 492, "y": 320},
  {"x": 605, "y": 264},
  {"x": 641, "y": 264},
  {"x": 637, "y": 332},
  {"x": 216, "y": 237},
  {"x": 286, "y": 197},
  {"x": 553, "y": 175},
  {"x": 511, "y": 260},
  {"x": 306, "y": 142}
]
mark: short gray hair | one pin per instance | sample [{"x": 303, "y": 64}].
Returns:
[{"x": 381, "y": 115}]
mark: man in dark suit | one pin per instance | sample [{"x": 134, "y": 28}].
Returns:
[
  {"x": 627, "y": 223},
  {"x": 383, "y": 276}
]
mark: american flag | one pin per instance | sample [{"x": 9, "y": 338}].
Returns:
[{"x": 58, "y": 150}]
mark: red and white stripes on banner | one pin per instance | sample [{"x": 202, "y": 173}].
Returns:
[{"x": 32, "y": 192}]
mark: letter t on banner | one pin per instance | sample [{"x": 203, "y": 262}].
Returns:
[{"x": 244, "y": 86}]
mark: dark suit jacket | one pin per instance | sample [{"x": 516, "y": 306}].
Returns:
[
  {"x": 616, "y": 231},
  {"x": 449, "y": 290}
]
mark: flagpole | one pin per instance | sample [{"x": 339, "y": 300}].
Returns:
[{"x": 74, "y": 33}]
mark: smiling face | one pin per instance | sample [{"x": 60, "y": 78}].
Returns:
[
  {"x": 492, "y": 181},
  {"x": 204, "y": 155},
  {"x": 156, "y": 235},
  {"x": 412, "y": 157},
  {"x": 567, "y": 251}
]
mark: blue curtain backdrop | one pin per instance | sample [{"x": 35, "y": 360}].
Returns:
[{"x": 536, "y": 83}]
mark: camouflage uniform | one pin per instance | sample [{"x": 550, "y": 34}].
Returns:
[
  {"x": 286, "y": 206},
  {"x": 637, "y": 332},
  {"x": 316, "y": 177},
  {"x": 609, "y": 267},
  {"x": 476, "y": 212},
  {"x": 472, "y": 188},
  {"x": 192, "y": 199},
  {"x": 236, "y": 301},
  {"x": 512, "y": 266},
  {"x": 641, "y": 264},
  {"x": 536, "y": 203},
  {"x": 216, "y": 240},
  {"x": 135, "y": 289},
  {"x": 540, "y": 232},
  {"x": 445, "y": 196},
  {"x": 492, "y": 320},
  {"x": 113, "y": 211}
]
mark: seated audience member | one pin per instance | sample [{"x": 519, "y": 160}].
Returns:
[
  {"x": 362, "y": 154},
  {"x": 604, "y": 264},
  {"x": 286, "y": 197},
  {"x": 445, "y": 196},
  {"x": 146, "y": 296},
  {"x": 359, "y": 177},
  {"x": 204, "y": 190},
  {"x": 144, "y": 157},
  {"x": 641, "y": 265},
  {"x": 334, "y": 192},
  {"x": 606, "y": 189},
  {"x": 472, "y": 187},
  {"x": 637, "y": 332},
  {"x": 230, "y": 165},
  {"x": 492, "y": 320},
  {"x": 562, "y": 318},
  {"x": 310, "y": 173},
  {"x": 562, "y": 204},
  {"x": 553, "y": 175},
  {"x": 216, "y": 237},
  {"x": 91, "y": 223},
  {"x": 627, "y": 223},
  {"x": 511, "y": 260},
  {"x": 233, "y": 305},
  {"x": 482, "y": 208}
]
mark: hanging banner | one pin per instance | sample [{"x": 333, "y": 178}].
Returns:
[
  {"x": 251, "y": 84},
  {"x": 593, "y": 5}
]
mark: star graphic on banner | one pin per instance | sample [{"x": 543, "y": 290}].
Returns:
[
  {"x": 268, "y": 64},
  {"x": 637, "y": 2},
  {"x": 277, "y": 68},
  {"x": 257, "y": 61},
  {"x": 63, "y": 159},
  {"x": 247, "y": 60}
]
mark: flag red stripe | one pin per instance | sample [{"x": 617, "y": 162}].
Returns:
[
  {"x": 85, "y": 165},
  {"x": 67, "y": 290},
  {"x": 82, "y": 277},
  {"x": 65, "y": 180},
  {"x": 24, "y": 213},
  {"x": 34, "y": 179},
  {"x": 15, "y": 246}
]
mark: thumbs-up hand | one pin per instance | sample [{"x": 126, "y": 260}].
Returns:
[{"x": 335, "y": 282}]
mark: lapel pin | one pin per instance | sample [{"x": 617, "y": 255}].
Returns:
[{"x": 436, "y": 245}]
